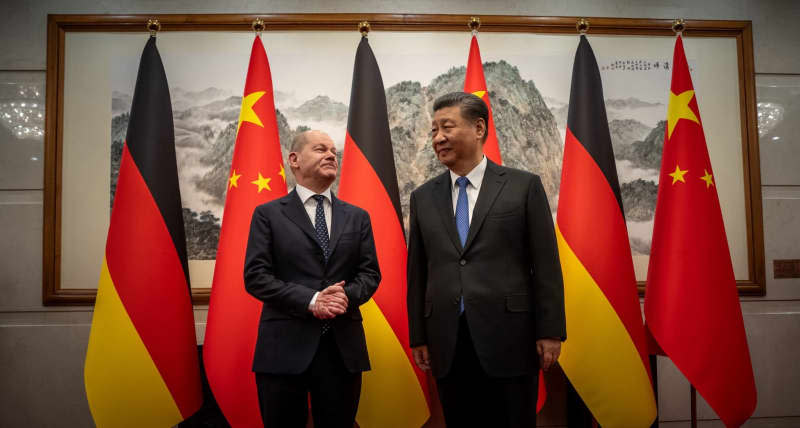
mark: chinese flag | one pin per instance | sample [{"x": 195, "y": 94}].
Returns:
[
  {"x": 141, "y": 363},
  {"x": 475, "y": 83},
  {"x": 395, "y": 392},
  {"x": 256, "y": 177},
  {"x": 606, "y": 333},
  {"x": 692, "y": 305}
]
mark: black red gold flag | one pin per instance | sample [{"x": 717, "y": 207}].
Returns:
[
  {"x": 141, "y": 363},
  {"x": 395, "y": 391},
  {"x": 604, "y": 320}
]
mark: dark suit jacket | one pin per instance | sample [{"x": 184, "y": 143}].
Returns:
[
  {"x": 284, "y": 267},
  {"x": 508, "y": 272}
]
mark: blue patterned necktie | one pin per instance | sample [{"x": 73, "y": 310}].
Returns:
[
  {"x": 462, "y": 209},
  {"x": 462, "y": 218},
  {"x": 321, "y": 227}
]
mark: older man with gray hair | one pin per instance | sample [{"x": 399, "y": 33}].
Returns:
[{"x": 311, "y": 261}]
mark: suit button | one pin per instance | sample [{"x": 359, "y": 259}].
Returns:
[{"x": 462, "y": 262}]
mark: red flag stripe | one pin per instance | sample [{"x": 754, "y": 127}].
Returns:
[
  {"x": 159, "y": 313},
  {"x": 595, "y": 246},
  {"x": 368, "y": 193}
]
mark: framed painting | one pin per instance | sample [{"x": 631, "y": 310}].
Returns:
[{"x": 91, "y": 71}]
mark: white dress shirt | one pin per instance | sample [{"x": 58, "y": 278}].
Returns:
[
  {"x": 475, "y": 178},
  {"x": 310, "y": 204}
]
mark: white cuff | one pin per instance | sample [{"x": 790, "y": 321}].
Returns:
[{"x": 313, "y": 300}]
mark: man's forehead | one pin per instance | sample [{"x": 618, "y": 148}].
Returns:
[
  {"x": 447, "y": 113},
  {"x": 319, "y": 139}
]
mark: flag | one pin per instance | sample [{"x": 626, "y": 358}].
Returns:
[
  {"x": 395, "y": 392},
  {"x": 691, "y": 304},
  {"x": 141, "y": 363},
  {"x": 257, "y": 176},
  {"x": 475, "y": 83},
  {"x": 604, "y": 320}
]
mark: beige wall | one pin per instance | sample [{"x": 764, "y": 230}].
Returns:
[{"x": 42, "y": 348}]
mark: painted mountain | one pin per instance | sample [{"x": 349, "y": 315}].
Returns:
[{"x": 529, "y": 129}]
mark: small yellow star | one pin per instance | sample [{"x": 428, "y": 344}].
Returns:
[
  {"x": 247, "y": 114},
  {"x": 678, "y": 174},
  {"x": 282, "y": 173},
  {"x": 234, "y": 180},
  {"x": 479, "y": 94},
  {"x": 708, "y": 179},
  {"x": 262, "y": 183},
  {"x": 679, "y": 109}
]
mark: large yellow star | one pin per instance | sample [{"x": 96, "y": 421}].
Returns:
[
  {"x": 247, "y": 114},
  {"x": 679, "y": 109},
  {"x": 262, "y": 183},
  {"x": 479, "y": 94},
  {"x": 677, "y": 175},
  {"x": 708, "y": 178},
  {"x": 234, "y": 180},
  {"x": 282, "y": 173}
]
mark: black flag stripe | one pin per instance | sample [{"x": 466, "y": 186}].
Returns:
[
  {"x": 368, "y": 121},
  {"x": 587, "y": 114},
  {"x": 151, "y": 143}
]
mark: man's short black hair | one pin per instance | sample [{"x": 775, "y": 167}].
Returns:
[{"x": 472, "y": 107}]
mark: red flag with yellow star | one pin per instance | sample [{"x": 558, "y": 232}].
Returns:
[
  {"x": 691, "y": 304},
  {"x": 257, "y": 176},
  {"x": 475, "y": 83}
]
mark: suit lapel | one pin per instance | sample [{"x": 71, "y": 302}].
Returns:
[
  {"x": 493, "y": 181},
  {"x": 338, "y": 220},
  {"x": 293, "y": 209},
  {"x": 444, "y": 204}
]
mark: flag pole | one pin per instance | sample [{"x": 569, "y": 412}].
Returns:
[{"x": 678, "y": 25}]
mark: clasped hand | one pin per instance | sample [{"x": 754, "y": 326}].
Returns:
[{"x": 331, "y": 302}]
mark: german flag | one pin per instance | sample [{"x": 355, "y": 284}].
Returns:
[
  {"x": 606, "y": 334},
  {"x": 257, "y": 176},
  {"x": 141, "y": 363},
  {"x": 692, "y": 305},
  {"x": 395, "y": 392}
]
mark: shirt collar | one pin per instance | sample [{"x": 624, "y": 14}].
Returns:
[
  {"x": 475, "y": 176},
  {"x": 305, "y": 193}
]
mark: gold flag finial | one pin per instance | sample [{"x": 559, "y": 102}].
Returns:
[
  {"x": 363, "y": 28},
  {"x": 474, "y": 23},
  {"x": 153, "y": 26},
  {"x": 678, "y": 26},
  {"x": 258, "y": 26},
  {"x": 582, "y": 26}
]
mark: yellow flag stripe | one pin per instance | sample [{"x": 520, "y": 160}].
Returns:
[
  {"x": 391, "y": 395},
  {"x": 123, "y": 385},
  {"x": 599, "y": 357}
]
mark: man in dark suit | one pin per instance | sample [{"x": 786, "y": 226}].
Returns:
[
  {"x": 485, "y": 293},
  {"x": 311, "y": 260}
]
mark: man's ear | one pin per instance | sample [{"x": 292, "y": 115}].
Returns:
[
  {"x": 293, "y": 160},
  {"x": 480, "y": 126}
]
